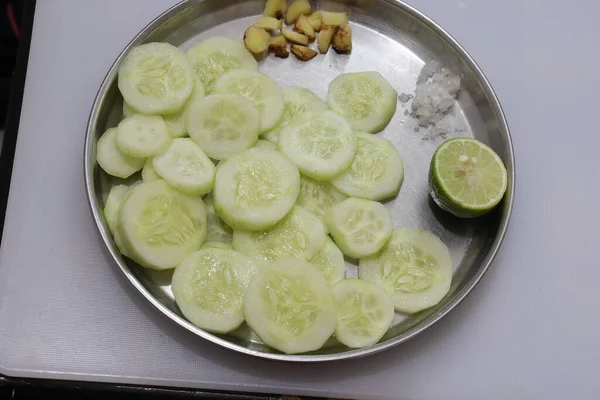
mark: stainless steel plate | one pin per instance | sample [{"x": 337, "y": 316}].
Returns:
[{"x": 392, "y": 38}]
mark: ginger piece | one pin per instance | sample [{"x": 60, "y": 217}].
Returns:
[
  {"x": 269, "y": 23},
  {"x": 297, "y": 8},
  {"x": 303, "y": 26},
  {"x": 275, "y": 8},
  {"x": 302, "y": 52},
  {"x": 315, "y": 21},
  {"x": 324, "y": 37},
  {"x": 256, "y": 40},
  {"x": 334, "y": 18},
  {"x": 278, "y": 46},
  {"x": 295, "y": 37},
  {"x": 342, "y": 40}
]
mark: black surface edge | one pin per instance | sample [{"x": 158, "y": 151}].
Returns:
[
  {"x": 26, "y": 388},
  {"x": 57, "y": 389},
  {"x": 14, "y": 109}
]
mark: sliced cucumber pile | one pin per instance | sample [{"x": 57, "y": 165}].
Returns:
[
  {"x": 185, "y": 167},
  {"x": 112, "y": 206},
  {"x": 255, "y": 189},
  {"x": 290, "y": 306},
  {"x": 209, "y": 287},
  {"x": 213, "y": 57},
  {"x": 330, "y": 262},
  {"x": 318, "y": 196},
  {"x": 365, "y": 99},
  {"x": 176, "y": 122},
  {"x": 259, "y": 89},
  {"x": 156, "y": 78},
  {"x": 364, "y": 312},
  {"x": 265, "y": 144},
  {"x": 223, "y": 124},
  {"x": 112, "y": 160},
  {"x": 297, "y": 102},
  {"x": 359, "y": 227},
  {"x": 142, "y": 136},
  {"x": 160, "y": 225},
  {"x": 241, "y": 225},
  {"x": 300, "y": 235},
  {"x": 415, "y": 267},
  {"x": 149, "y": 174},
  {"x": 376, "y": 172},
  {"x": 217, "y": 229},
  {"x": 322, "y": 145}
]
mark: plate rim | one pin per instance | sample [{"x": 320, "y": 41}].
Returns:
[{"x": 421, "y": 326}]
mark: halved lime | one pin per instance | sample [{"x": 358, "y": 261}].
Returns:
[{"x": 466, "y": 177}]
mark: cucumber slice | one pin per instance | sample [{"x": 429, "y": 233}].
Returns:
[
  {"x": 300, "y": 235},
  {"x": 213, "y": 57},
  {"x": 255, "y": 189},
  {"x": 359, "y": 227},
  {"x": 265, "y": 144},
  {"x": 112, "y": 160},
  {"x": 111, "y": 213},
  {"x": 142, "y": 136},
  {"x": 149, "y": 174},
  {"x": 415, "y": 267},
  {"x": 128, "y": 111},
  {"x": 317, "y": 197},
  {"x": 156, "y": 78},
  {"x": 322, "y": 145},
  {"x": 209, "y": 287},
  {"x": 364, "y": 312},
  {"x": 217, "y": 230},
  {"x": 185, "y": 166},
  {"x": 217, "y": 245},
  {"x": 160, "y": 226},
  {"x": 176, "y": 123},
  {"x": 297, "y": 101},
  {"x": 330, "y": 262},
  {"x": 376, "y": 172},
  {"x": 223, "y": 124},
  {"x": 259, "y": 89},
  {"x": 290, "y": 306},
  {"x": 365, "y": 99}
]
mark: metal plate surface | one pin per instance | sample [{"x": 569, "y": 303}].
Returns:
[{"x": 389, "y": 37}]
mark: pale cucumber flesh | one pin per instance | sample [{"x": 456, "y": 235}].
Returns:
[
  {"x": 213, "y": 57},
  {"x": 322, "y": 145},
  {"x": 290, "y": 306},
  {"x": 185, "y": 166},
  {"x": 255, "y": 189},
  {"x": 160, "y": 225},
  {"x": 112, "y": 160},
  {"x": 414, "y": 267},
  {"x": 209, "y": 287},
  {"x": 364, "y": 312},
  {"x": 156, "y": 78},
  {"x": 297, "y": 102},
  {"x": 359, "y": 227},
  {"x": 259, "y": 89},
  {"x": 300, "y": 235},
  {"x": 330, "y": 262},
  {"x": 223, "y": 124},
  {"x": 365, "y": 99},
  {"x": 142, "y": 136},
  {"x": 318, "y": 196},
  {"x": 376, "y": 172}
]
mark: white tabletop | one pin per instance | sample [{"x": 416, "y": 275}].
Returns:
[{"x": 529, "y": 331}]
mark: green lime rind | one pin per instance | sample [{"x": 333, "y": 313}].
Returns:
[{"x": 467, "y": 178}]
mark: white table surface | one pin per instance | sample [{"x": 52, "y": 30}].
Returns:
[{"x": 530, "y": 330}]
